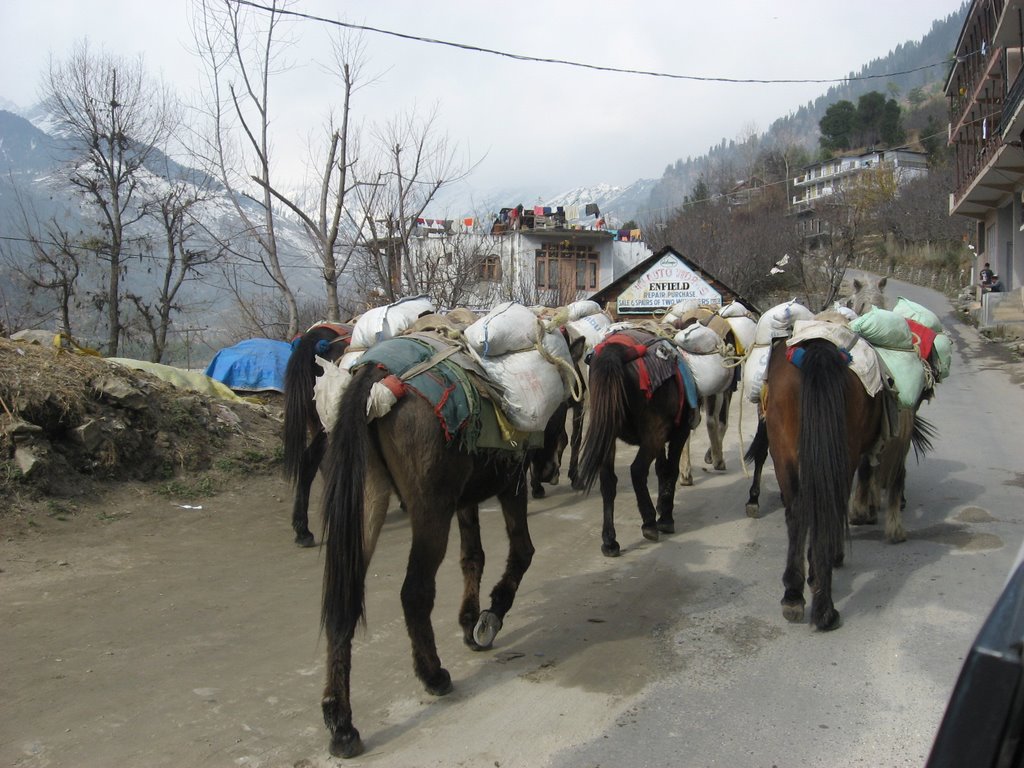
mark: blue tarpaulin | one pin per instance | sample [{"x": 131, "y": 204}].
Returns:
[{"x": 253, "y": 365}]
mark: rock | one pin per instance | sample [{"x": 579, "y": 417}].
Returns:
[
  {"x": 19, "y": 429},
  {"x": 28, "y": 461},
  {"x": 119, "y": 391},
  {"x": 89, "y": 435}
]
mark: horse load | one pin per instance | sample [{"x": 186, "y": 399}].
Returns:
[{"x": 447, "y": 410}]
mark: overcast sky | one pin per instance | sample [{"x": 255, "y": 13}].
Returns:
[{"x": 528, "y": 124}]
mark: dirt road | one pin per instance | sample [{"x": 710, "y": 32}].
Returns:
[{"x": 142, "y": 633}]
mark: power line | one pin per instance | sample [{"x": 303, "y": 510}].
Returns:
[{"x": 581, "y": 65}]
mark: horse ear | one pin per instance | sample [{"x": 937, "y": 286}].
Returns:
[
  {"x": 882, "y": 282},
  {"x": 857, "y": 285}
]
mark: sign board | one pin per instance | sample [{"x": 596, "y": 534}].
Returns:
[{"x": 665, "y": 284}]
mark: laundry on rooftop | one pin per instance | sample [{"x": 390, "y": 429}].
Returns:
[{"x": 574, "y": 217}]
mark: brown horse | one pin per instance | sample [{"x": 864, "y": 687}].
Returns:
[
  {"x": 637, "y": 395},
  {"x": 304, "y": 437},
  {"x": 447, "y": 479},
  {"x": 819, "y": 421}
]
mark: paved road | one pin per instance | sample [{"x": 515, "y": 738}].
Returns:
[{"x": 183, "y": 637}]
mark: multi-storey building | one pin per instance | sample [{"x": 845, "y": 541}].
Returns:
[{"x": 985, "y": 90}]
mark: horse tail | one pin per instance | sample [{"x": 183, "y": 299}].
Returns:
[
  {"x": 921, "y": 436},
  {"x": 348, "y": 453},
  {"x": 758, "y": 450},
  {"x": 825, "y": 480},
  {"x": 607, "y": 392},
  {"x": 299, "y": 409}
]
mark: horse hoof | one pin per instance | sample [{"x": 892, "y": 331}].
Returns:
[
  {"x": 720, "y": 466},
  {"x": 828, "y": 621},
  {"x": 346, "y": 744},
  {"x": 650, "y": 532},
  {"x": 442, "y": 685},
  {"x": 666, "y": 526},
  {"x": 538, "y": 493},
  {"x": 753, "y": 510},
  {"x": 863, "y": 519},
  {"x": 897, "y": 537},
  {"x": 611, "y": 550},
  {"x": 486, "y": 629},
  {"x": 304, "y": 540},
  {"x": 707, "y": 457},
  {"x": 793, "y": 612},
  {"x": 687, "y": 481}
]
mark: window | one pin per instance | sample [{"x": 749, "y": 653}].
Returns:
[
  {"x": 490, "y": 268},
  {"x": 567, "y": 267}
]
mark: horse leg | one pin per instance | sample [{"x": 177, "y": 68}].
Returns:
[
  {"x": 685, "y": 467},
  {"x": 894, "y": 531},
  {"x": 718, "y": 423},
  {"x": 864, "y": 503},
  {"x": 757, "y": 453},
  {"x": 575, "y": 441},
  {"x": 520, "y": 555},
  {"x": 793, "y": 578},
  {"x": 471, "y": 561},
  {"x": 431, "y": 521},
  {"x": 667, "y": 470},
  {"x": 608, "y": 480},
  {"x": 638, "y": 473},
  {"x": 824, "y": 615},
  {"x": 336, "y": 702},
  {"x": 308, "y": 466}
]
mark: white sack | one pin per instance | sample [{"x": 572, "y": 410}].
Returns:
[
  {"x": 778, "y": 321},
  {"x": 509, "y": 327},
  {"x": 755, "y": 367},
  {"x": 709, "y": 372},
  {"x": 698, "y": 339},
  {"x": 386, "y": 322}
]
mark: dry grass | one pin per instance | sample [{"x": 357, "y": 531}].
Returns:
[{"x": 172, "y": 438}]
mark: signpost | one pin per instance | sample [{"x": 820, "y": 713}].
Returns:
[{"x": 666, "y": 283}]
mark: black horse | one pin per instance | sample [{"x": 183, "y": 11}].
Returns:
[
  {"x": 638, "y": 394},
  {"x": 304, "y": 437}
]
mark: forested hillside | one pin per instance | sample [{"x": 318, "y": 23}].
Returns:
[{"x": 725, "y": 161}]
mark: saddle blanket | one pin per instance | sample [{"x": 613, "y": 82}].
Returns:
[
  {"x": 446, "y": 387},
  {"x": 863, "y": 357}
]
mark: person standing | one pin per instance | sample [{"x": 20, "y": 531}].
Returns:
[{"x": 986, "y": 275}]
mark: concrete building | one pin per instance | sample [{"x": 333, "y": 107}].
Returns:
[
  {"x": 543, "y": 258},
  {"x": 985, "y": 90}
]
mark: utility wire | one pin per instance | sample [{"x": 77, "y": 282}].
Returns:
[{"x": 581, "y": 65}]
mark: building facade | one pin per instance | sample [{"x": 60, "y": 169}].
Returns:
[{"x": 985, "y": 90}]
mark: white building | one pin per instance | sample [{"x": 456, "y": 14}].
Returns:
[
  {"x": 823, "y": 179},
  {"x": 538, "y": 259}
]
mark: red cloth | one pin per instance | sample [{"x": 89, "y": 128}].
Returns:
[{"x": 924, "y": 336}]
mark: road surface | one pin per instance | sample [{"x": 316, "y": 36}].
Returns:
[{"x": 146, "y": 634}]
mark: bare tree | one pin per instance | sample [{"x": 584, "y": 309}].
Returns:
[
  {"x": 393, "y": 187},
  {"x": 848, "y": 215},
  {"x": 179, "y": 259},
  {"x": 240, "y": 49},
  {"x": 113, "y": 117}
]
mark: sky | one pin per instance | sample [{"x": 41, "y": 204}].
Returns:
[{"x": 517, "y": 124}]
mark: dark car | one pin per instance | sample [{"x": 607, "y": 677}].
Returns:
[{"x": 984, "y": 722}]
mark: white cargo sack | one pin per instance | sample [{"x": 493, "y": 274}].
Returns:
[
  {"x": 778, "y": 321},
  {"x": 734, "y": 309},
  {"x": 709, "y": 372},
  {"x": 386, "y": 322},
  {"x": 698, "y": 339},
  {"x": 743, "y": 328},
  {"x": 581, "y": 309},
  {"x": 755, "y": 368},
  {"x": 509, "y": 327},
  {"x": 592, "y": 328},
  {"x": 530, "y": 386}
]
